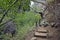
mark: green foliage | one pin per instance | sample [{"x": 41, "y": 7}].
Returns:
[
  {"x": 5, "y": 3},
  {"x": 24, "y": 4},
  {"x": 24, "y": 20}
]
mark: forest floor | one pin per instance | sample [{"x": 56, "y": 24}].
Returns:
[{"x": 53, "y": 34}]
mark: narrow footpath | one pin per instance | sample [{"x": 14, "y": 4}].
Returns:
[{"x": 44, "y": 33}]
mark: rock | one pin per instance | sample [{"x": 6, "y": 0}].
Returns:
[
  {"x": 9, "y": 28},
  {"x": 33, "y": 38}
]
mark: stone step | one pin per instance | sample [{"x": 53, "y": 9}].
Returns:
[
  {"x": 44, "y": 35},
  {"x": 42, "y": 31},
  {"x": 33, "y": 38}
]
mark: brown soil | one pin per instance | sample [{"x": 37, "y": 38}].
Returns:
[{"x": 54, "y": 33}]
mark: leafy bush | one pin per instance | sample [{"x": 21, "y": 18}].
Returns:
[{"x": 24, "y": 22}]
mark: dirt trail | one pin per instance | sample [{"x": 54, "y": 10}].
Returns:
[{"x": 44, "y": 33}]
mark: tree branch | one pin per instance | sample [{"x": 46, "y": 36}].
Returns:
[{"x": 7, "y": 11}]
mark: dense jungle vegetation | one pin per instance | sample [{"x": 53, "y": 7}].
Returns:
[
  {"x": 19, "y": 12},
  {"x": 19, "y": 15}
]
